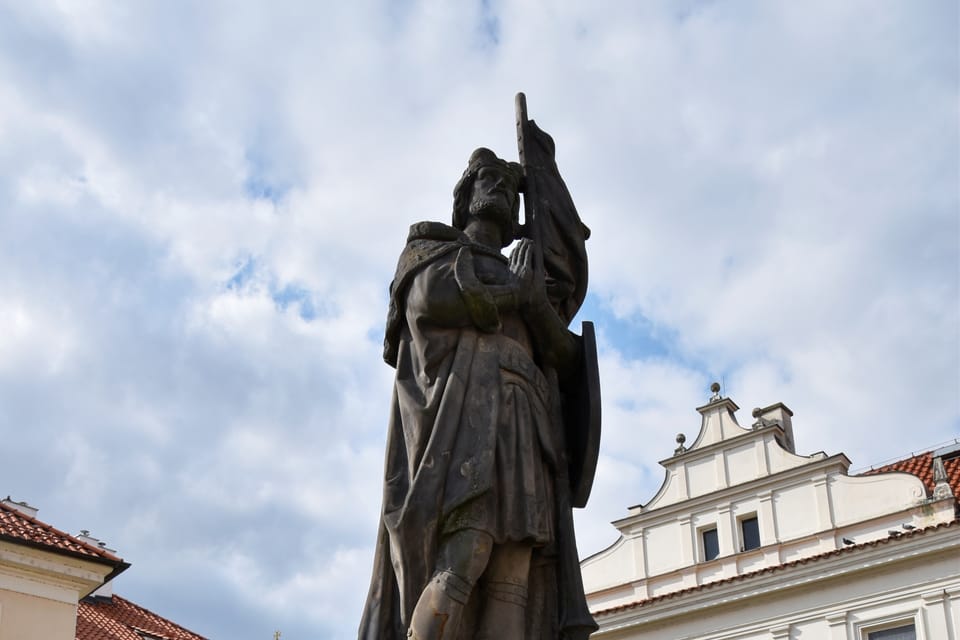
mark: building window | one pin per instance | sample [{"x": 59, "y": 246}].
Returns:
[
  {"x": 710, "y": 543},
  {"x": 749, "y": 533},
  {"x": 902, "y": 632}
]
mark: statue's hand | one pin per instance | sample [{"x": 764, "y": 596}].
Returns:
[
  {"x": 530, "y": 282},
  {"x": 555, "y": 345}
]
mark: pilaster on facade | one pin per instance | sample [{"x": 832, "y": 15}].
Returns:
[
  {"x": 824, "y": 507},
  {"x": 780, "y": 633},
  {"x": 725, "y": 535},
  {"x": 687, "y": 542},
  {"x": 837, "y": 625},
  {"x": 760, "y": 455},
  {"x": 640, "y": 591},
  {"x": 953, "y": 609},
  {"x": 639, "y": 549},
  {"x": 679, "y": 474},
  {"x": 689, "y": 579},
  {"x": 936, "y": 614},
  {"x": 768, "y": 521}
]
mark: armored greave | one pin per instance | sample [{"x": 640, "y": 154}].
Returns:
[
  {"x": 440, "y": 607},
  {"x": 504, "y": 612}
]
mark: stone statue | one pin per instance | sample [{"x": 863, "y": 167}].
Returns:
[{"x": 494, "y": 431}]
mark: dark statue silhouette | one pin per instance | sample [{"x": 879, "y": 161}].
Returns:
[{"x": 495, "y": 423}]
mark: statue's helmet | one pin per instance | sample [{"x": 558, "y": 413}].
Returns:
[{"x": 480, "y": 158}]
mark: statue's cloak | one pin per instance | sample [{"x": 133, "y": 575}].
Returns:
[{"x": 439, "y": 457}]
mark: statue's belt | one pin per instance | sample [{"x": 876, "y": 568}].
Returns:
[{"x": 513, "y": 357}]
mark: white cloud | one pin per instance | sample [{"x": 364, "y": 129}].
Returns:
[
  {"x": 34, "y": 340},
  {"x": 772, "y": 192}
]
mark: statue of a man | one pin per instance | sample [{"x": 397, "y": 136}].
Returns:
[{"x": 476, "y": 538}]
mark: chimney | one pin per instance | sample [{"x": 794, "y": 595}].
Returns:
[
  {"x": 778, "y": 414},
  {"x": 22, "y": 507},
  {"x": 106, "y": 589}
]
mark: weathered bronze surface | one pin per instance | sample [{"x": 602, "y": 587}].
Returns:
[{"x": 495, "y": 427}]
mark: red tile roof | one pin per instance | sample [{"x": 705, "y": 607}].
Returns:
[
  {"x": 20, "y": 528},
  {"x": 775, "y": 568},
  {"x": 113, "y": 618},
  {"x": 117, "y": 618},
  {"x": 921, "y": 465}
]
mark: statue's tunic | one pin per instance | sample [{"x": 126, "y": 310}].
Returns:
[{"x": 475, "y": 441}]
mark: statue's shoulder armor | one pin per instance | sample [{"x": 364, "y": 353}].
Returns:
[
  {"x": 426, "y": 242},
  {"x": 436, "y": 231}
]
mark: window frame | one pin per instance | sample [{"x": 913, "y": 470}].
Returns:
[
  {"x": 742, "y": 541},
  {"x": 701, "y": 531},
  {"x": 866, "y": 629}
]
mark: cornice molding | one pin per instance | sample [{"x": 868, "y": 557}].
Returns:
[
  {"x": 783, "y": 578},
  {"x": 752, "y": 487},
  {"x": 48, "y": 575}
]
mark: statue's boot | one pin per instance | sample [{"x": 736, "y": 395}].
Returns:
[
  {"x": 504, "y": 612},
  {"x": 440, "y": 607}
]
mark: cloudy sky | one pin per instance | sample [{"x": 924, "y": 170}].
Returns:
[{"x": 201, "y": 206}]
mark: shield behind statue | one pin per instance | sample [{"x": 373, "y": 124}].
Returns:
[{"x": 582, "y": 420}]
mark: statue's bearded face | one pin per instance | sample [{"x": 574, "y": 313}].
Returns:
[{"x": 493, "y": 195}]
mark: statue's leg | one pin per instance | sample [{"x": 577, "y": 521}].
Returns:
[
  {"x": 505, "y": 604},
  {"x": 462, "y": 559}
]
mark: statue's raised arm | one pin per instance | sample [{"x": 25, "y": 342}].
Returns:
[{"x": 551, "y": 218}]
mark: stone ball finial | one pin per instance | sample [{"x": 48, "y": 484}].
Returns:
[
  {"x": 680, "y": 448},
  {"x": 715, "y": 392},
  {"x": 757, "y": 411}
]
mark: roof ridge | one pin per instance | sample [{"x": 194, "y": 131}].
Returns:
[
  {"x": 883, "y": 466},
  {"x": 921, "y": 465},
  {"x": 913, "y": 454},
  {"x": 52, "y": 529}
]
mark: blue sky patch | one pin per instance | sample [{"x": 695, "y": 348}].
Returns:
[
  {"x": 258, "y": 187},
  {"x": 250, "y": 272},
  {"x": 244, "y": 273},
  {"x": 265, "y": 180},
  {"x": 634, "y": 336},
  {"x": 301, "y": 297},
  {"x": 489, "y": 25}
]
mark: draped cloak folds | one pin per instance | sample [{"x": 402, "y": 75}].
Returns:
[{"x": 441, "y": 449}]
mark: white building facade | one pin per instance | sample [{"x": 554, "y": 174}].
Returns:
[{"x": 748, "y": 540}]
